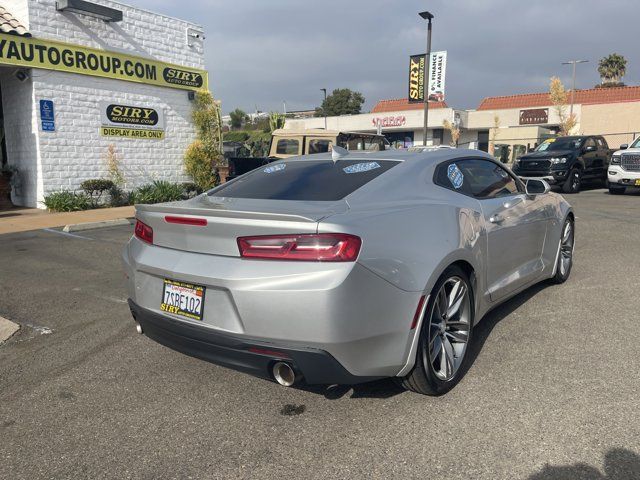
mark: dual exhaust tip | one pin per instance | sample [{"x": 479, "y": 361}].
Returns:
[{"x": 284, "y": 374}]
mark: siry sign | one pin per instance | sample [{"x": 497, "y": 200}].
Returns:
[
  {"x": 131, "y": 121},
  {"x": 38, "y": 53},
  {"x": 534, "y": 116},
  {"x": 436, "y": 77},
  {"x": 393, "y": 121}
]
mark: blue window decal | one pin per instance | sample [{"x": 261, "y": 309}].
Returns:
[
  {"x": 275, "y": 168},
  {"x": 455, "y": 176},
  {"x": 361, "y": 167}
]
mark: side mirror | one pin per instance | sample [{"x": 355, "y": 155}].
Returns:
[
  {"x": 535, "y": 186},
  {"x": 590, "y": 148},
  {"x": 624, "y": 146}
]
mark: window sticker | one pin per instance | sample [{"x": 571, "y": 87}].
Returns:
[
  {"x": 275, "y": 168},
  {"x": 455, "y": 176},
  {"x": 361, "y": 167}
]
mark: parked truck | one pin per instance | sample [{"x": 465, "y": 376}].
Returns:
[
  {"x": 567, "y": 161},
  {"x": 287, "y": 143},
  {"x": 624, "y": 169}
]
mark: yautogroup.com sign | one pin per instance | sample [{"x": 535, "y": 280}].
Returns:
[{"x": 38, "y": 53}]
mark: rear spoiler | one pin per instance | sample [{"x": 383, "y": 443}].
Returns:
[{"x": 222, "y": 212}]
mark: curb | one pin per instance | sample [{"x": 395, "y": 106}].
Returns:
[
  {"x": 78, "y": 227},
  {"x": 7, "y": 329}
]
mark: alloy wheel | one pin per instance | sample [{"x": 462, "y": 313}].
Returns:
[
  {"x": 566, "y": 248},
  {"x": 575, "y": 181},
  {"x": 449, "y": 326}
]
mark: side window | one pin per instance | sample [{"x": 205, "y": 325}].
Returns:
[
  {"x": 600, "y": 143},
  {"x": 319, "y": 145},
  {"x": 479, "y": 178},
  {"x": 590, "y": 143},
  {"x": 288, "y": 146}
]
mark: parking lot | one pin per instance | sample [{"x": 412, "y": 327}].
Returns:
[{"x": 553, "y": 393}]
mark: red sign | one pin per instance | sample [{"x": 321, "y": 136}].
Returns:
[{"x": 392, "y": 121}]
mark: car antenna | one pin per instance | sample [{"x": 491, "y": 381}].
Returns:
[{"x": 338, "y": 152}]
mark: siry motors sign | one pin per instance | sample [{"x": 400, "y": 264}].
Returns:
[
  {"x": 434, "y": 74},
  {"x": 128, "y": 121},
  {"x": 534, "y": 116}
]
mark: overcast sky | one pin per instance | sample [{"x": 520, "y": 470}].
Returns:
[{"x": 260, "y": 53}]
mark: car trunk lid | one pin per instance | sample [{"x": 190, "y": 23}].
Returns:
[{"x": 212, "y": 225}]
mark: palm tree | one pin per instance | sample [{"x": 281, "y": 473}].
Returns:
[{"x": 612, "y": 68}]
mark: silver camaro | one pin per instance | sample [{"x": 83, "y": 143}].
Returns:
[{"x": 346, "y": 268}]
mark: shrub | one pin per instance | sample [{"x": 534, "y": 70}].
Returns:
[
  {"x": 120, "y": 198},
  {"x": 157, "y": 192},
  {"x": 95, "y": 188},
  {"x": 66, "y": 201},
  {"x": 238, "y": 136},
  {"x": 197, "y": 164}
]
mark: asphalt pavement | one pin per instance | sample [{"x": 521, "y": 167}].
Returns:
[{"x": 553, "y": 392}]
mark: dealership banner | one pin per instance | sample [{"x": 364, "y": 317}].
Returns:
[
  {"x": 31, "y": 52},
  {"x": 435, "y": 77},
  {"x": 131, "y": 121}
]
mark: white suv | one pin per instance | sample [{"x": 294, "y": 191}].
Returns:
[{"x": 624, "y": 168}]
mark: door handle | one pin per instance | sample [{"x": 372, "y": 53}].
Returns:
[{"x": 496, "y": 218}]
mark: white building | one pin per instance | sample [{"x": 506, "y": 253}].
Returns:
[
  {"x": 400, "y": 121},
  {"x": 78, "y": 78}
]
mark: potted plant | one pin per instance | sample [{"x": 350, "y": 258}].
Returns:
[{"x": 7, "y": 172}]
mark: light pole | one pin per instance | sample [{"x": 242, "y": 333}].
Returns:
[
  {"x": 427, "y": 60},
  {"x": 324, "y": 111},
  {"x": 573, "y": 81}
]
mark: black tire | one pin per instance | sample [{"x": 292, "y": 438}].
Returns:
[
  {"x": 423, "y": 379},
  {"x": 616, "y": 190},
  {"x": 573, "y": 182},
  {"x": 562, "y": 274}
]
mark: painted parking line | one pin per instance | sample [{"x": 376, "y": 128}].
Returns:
[{"x": 66, "y": 234}]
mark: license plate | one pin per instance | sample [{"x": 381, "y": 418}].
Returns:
[
  {"x": 184, "y": 299},
  {"x": 638, "y": 182}
]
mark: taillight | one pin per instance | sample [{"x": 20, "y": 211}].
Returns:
[
  {"x": 321, "y": 247},
  {"x": 143, "y": 231}
]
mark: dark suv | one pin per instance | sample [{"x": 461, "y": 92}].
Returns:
[{"x": 567, "y": 161}]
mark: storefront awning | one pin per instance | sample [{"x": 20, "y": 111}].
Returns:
[{"x": 9, "y": 24}]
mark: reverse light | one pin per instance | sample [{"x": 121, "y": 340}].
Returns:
[
  {"x": 143, "y": 231},
  {"x": 320, "y": 247}
]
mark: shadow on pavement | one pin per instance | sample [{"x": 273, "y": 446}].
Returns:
[
  {"x": 388, "y": 388},
  {"x": 619, "y": 464}
]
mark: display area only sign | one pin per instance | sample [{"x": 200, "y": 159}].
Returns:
[
  {"x": 47, "y": 117},
  {"x": 131, "y": 121}
]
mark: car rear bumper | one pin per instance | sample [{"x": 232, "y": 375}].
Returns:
[{"x": 240, "y": 353}]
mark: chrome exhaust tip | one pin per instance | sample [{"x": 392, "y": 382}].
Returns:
[
  {"x": 284, "y": 374},
  {"x": 139, "y": 328}
]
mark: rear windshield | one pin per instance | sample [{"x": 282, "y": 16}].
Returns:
[{"x": 320, "y": 180}]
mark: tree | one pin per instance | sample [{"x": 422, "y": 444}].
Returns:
[
  {"x": 494, "y": 134},
  {"x": 454, "y": 131},
  {"x": 611, "y": 69},
  {"x": 342, "y": 101},
  {"x": 558, "y": 95},
  {"x": 204, "y": 154},
  {"x": 238, "y": 118}
]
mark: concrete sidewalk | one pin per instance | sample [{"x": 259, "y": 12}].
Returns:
[{"x": 22, "y": 220}]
